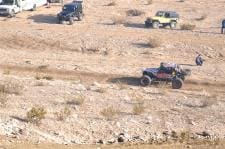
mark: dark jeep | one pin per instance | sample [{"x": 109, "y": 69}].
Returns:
[
  {"x": 168, "y": 72},
  {"x": 71, "y": 11}
]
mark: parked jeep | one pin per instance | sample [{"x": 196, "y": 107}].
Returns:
[
  {"x": 168, "y": 72},
  {"x": 70, "y": 12},
  {"x": 163, "y": 18}
]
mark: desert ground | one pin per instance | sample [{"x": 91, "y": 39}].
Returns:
[{"x": 86, "y": 75}]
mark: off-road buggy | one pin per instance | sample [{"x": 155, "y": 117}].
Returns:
[
  {"x": 163, "y": 18},
  {"x": 168, "y": 72},
  {"x": 70, "y": 12}
]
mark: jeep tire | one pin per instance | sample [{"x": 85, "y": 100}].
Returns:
[
  {"x": 34, "y": 7},
  {"x": 71, "y": 20},
  {"x": 145, "y": 80},
  {"x": 80, "y": 17},
  {"x": 12, "y": 14},
  {"x": 177, "y": 83},
  {"x": 173, "y": 24},
  {"x": 155, "y": 25}
]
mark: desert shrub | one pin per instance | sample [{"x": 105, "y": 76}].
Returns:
[
  {"x": 203, "y": 17},
  {"x": 134, "y": 12},
  {"x": 77, "y": 100},
  {"x": 6, "y": 72},
  {"x": 36, "y": 114},
  {"x": 138, "y": 109},
  {"x": 47, "y": 77},
  {"x": 63, "y": 114},
  {"x": 109, "y": 112},
  {"x": 149, "y": 2},
  {"x": 42, "y": 67},
  {"x": 112, "y": 3},
  {"x": 101, "y": 90},
  {"x": 118, "y": 20},
  {"x": 153, "y": 42},
  {"x": 187, "y": 26},
  {"x": 3, "y": 99},
  {"x": 10, "y": 87},
  {"x": 121, "y": 85},
  {"x": 182, "y": 1}
]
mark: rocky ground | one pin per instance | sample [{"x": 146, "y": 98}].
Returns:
[{"x": 92, "y": 70}]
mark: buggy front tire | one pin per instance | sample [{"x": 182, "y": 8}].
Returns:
[
  {"x": 173, "y": 25},
  {"x": 155, "y": 25},
  {"x": 146, "y": 80},
  {"x": 177, "y": 83}
]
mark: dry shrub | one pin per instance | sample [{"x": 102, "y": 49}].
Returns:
[
  {"x": 182, "y": 1},
  {"x": 47, "y": 77},
  {"x": 6, "y": 72},
  {"x": 40, "y": 84},
  {"x": 63, "y": 114},
  {"x": 36, "y": 114},
  {"x": 109, "y": 112},
  {"x": 134, "y": 12},
  {"x": 11, "y": 87},
  {"x": 138, "y": 109},
  {"x": 112, "y": 3},
  {"x": 101, "y": 90},
  {"x": 78, "y": 100},
  {"x": 119, "y": 19},
  {"x": 153, "y": 42},
  {"x": 184, "y": 136},
  {"x": 149, "y": 2},
  {"x": 3, "y": 99},
  {"x": 203, "y": 17},
  {"x": 187, "y": 26},
  {"x": 42, "y": 67}
]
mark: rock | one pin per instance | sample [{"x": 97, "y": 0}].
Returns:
[
  {"x": 80, "y": 87},
  {"x": 100, "y": 141},
  {"x": 111, "y": 141},
  {"x": 121, "y": 139}
]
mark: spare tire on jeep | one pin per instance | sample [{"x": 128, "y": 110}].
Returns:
[{"x": 177, "y": 83}]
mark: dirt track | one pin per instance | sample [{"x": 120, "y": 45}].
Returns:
[{"x": 103, "y": 63}]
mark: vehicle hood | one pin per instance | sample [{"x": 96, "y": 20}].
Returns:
[
  {"x": 156, "y": 18},
  {"x": 6, "y": 6},
  {"x": 153, "y": 70}
]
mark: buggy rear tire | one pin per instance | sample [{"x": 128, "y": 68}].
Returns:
[
  {"x": 177, "y": 83},
  {"x": 146, "y": 80}
]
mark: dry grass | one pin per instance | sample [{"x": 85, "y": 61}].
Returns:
[
  {"x": 134, "y": 12},
  {"x": 112, "y": 3},
  {"x": 109, "y": 113},
  {"x": 47, "y": 77},
  {"x": 187, "y": 26},
  {"x": 6, "y": 72},
  {"x": 203, "y": 17},
  {"x": 119, "y": 19},
  {"x": 154, "y": 42},
  {"x": 149, "y": 2},
  {"x": 3, "y": 100},
  {"x": 63, "y": 114},
  {"x": 101, "y": 90},
  {"x": 78, "y": 100},
  {"x": 138, "y": 109},
  {"x": 121, "y": 85},
  {"x": 36, "y": 114},
  {"x": 11, "y": 87}
]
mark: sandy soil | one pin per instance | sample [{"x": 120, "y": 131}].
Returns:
[{"x": 103, "y": 62}]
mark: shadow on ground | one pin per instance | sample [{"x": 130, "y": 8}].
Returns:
[
  {"x": 49, "y": 19},
  {"x": 135, "y": 25},
  {"x": 135, "y": 81},
  {"x": 141, "y": 45}
]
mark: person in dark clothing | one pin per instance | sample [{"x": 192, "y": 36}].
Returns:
[
  {"x": 199, "y": 60},
  {"x": 223, "y": 27}
]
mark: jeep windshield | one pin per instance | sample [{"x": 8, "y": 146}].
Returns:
[
  {"x": 159, "y": 14},
  {"x": 7, "y": 2},
  {"x": 68, "y": 8}
]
